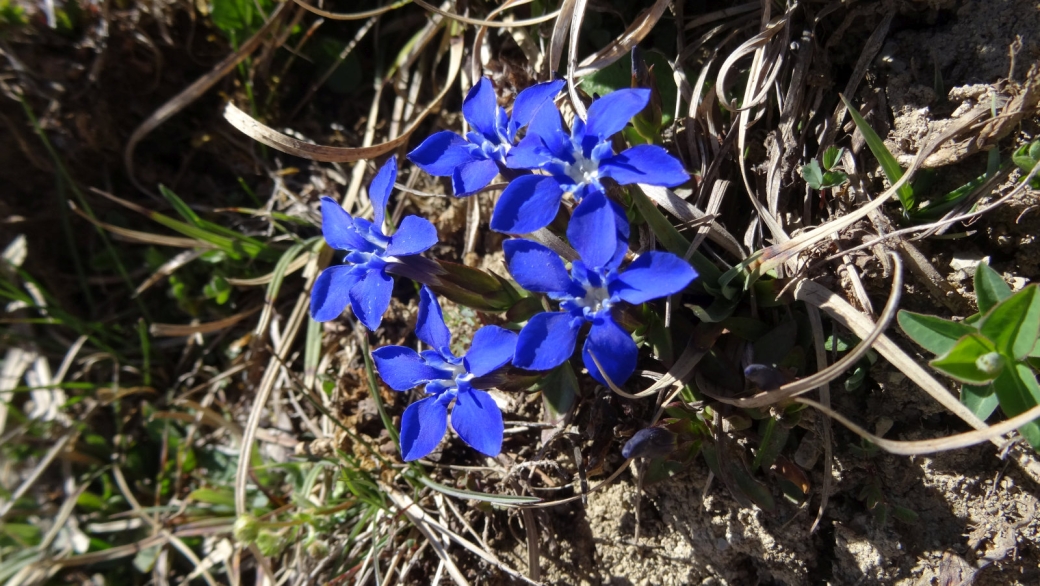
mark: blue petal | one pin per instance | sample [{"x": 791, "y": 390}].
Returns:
[
  {"x": 492, "y": 348},
  {"x": 337, "y": 226},
  {"x": 422, "y": 427},
  {"x": 529, "y": 101},
  {"x": 548, "y": 126},
  {"x": 473, "y": 176},
  {"x": 614, "y": 349},
  {"x": 653, "y": 275},
  {"x": 547, "y": 341},
  {"x": 371, "y": 296},
  {"x": 380, "y": 188},
  {"x": 441, "y": 153},
  {"x": 645, "y": 163},
  {"x": 621, "y": 221},
  {"x": 402, "y": 368},
  {"x": 535, "y": 267},
  {"x": 478, "y": 421},
  {"x": 429, "y": 326},
  {"x": 593, "y": 230},
  {"x": 529, "y": 203},
  {"x": 609, "y": 114},
  {"x": 331, "y": 292},
  {"x": 531, "y": 153},
  {"x": 413, "y": 236},
  {"x": 480, "y": 108}
]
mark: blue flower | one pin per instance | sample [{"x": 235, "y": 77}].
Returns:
[
  {"x": 472, "y": 162},
  {"x": 475, "y": 417},
  {"x": 594, "y": 286},
  {"x": 576, "y": 163},
  {"x": 364, "y": 282}
]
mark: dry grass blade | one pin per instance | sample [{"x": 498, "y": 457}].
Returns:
[
  {"x": 559, "y": 35},
  {"x": 617, "y": 49},
  {"x": 572, "y": 59},
  {"x": 168, "y": 267},
  {"x": 196, "y": 89},
  {"x": 488, "y": 23},
  {"x": 476, "y": 68},
  {"x": 920, "y": 447},
  {"x": 287, "y": 144},
  {"x": 182, "y": 330},
  {"x": 825, "y": 398},
  {"x": 294, "y": 266},
  {"x": 352, "y": 15},
  {"x": 419, "y": 519},
  {"x": 138, "y": 237}
]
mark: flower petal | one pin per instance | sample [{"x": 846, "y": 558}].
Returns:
[
  {"x": 614, "y": 349},
  {"x": 529, "y": 101},
  {"x": 535, "y": 267},
  {"x": 593, "y": 230},
  {"x": 531, "y": 153},
  {"x": 330, "y": 294},
  {"x": 527, "y": 204},
  {"x": 645, "y": 163},
  {"x": 370, "y": 297},
  {"x": 609, "y": 114},
  {"x": 429, "y": 326},
  {"x": 402, "y": 368},
  {"x": 653, "y": 275},
  {"x": 442, "y": 152},
  {"x": 492, "y": 348},
  {"x": 478, "y": 421},
  {"x": 548, "y": 126},
  {"x": 379, "y": 190},
  {"x": 547, "y": 341},
  {"x": 480, "y": 108},
  {"x": 473, "y": 176},
  {"x": 422, "y": 427},
  {"x": 337, "y": 226},
  {"x": 413, "y": 236}
]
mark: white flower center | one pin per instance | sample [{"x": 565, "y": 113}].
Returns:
[
  {"x": 583, "y": 171},
  {"x": 596, "y": 298}
]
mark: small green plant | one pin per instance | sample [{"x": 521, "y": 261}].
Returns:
[
  {"x": 994, "y": 354},
  {"x": 1026, "y": 158},
  {"x": 12, "y": 15},
  {"x": 825, "y": 177},
  {"x": 915, "y": 207}
]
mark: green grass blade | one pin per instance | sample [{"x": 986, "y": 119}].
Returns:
[{"x": 888, "y": 162}]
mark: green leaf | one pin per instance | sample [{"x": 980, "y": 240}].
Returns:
[
  {"x": 1027, "y": 157},
  {"x": 1018, "y": 392},
  {"x": 560, "y": 388},
  {"x": 990, "y": 287},
  {"x": 1014, "y": 324},
  {"x": 813, "y": 175},
  {"x": 888, "y": 163},
  {"x": 504, "y": 500},
  {"x": 773, "y": 439},
  {"x": 961, "y": 362},
  {"x": 213, "y": 496},
  {"x": 934, "y": 334},
  {"x": 981, "y": 400},
  {"x": 834, "y": 178},
  {"x": 831, "y": 156}
]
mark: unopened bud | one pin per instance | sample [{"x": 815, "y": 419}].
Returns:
[
  {"x": 991, "y": 363},
  {"x": 246, "y": 528}
]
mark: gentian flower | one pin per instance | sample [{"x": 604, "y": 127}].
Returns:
[
  {"x": 594, "y": 286},
  {"x": 472, "y": 162},
  {"x": 364, "y": 283},
  {"x": 475, "y": 417},
  {"x": 576, "y": 163}
]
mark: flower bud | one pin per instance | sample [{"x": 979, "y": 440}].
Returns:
[
  {"x": 991, "y": 363},
  {"x": 246, "y": 528}
]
